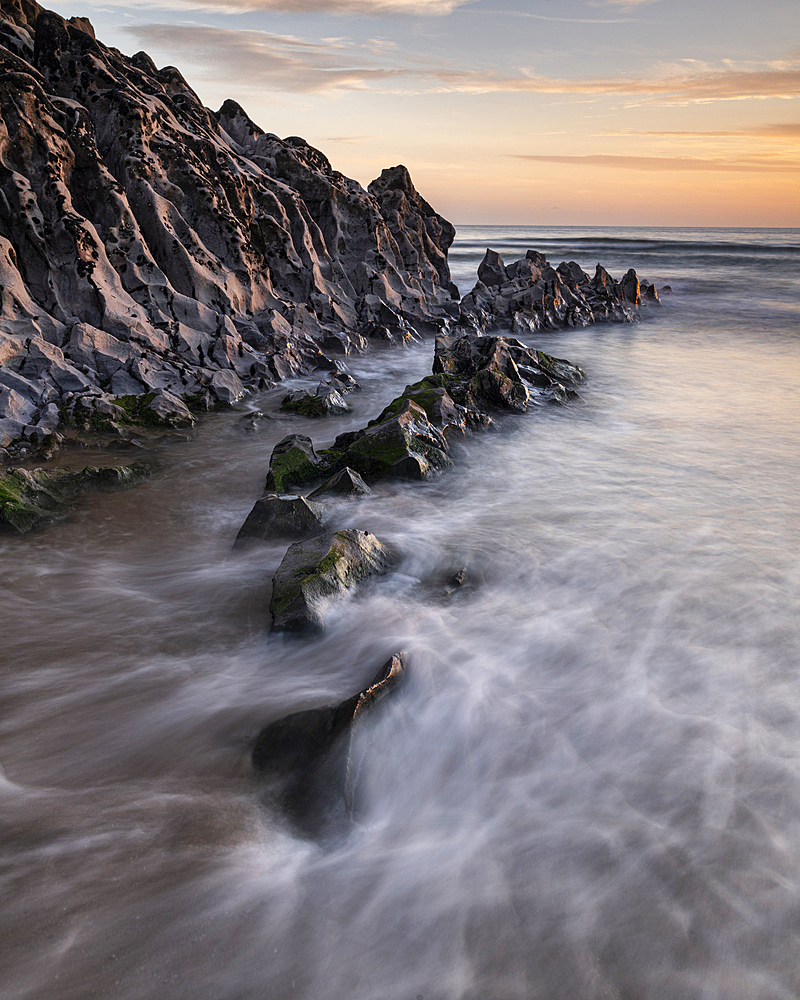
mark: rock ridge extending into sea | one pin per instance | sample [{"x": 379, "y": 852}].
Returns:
[{"x": 157, "y": 257}]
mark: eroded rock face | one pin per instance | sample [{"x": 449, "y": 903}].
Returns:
[
  {"x": 530, "y": 294},
  {"x": 309, "y": 761},
  {"x": 320, "y": 570},
  {"x": 149, "y": 245}
]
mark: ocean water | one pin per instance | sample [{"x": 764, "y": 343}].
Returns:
[{"x": 589, "y": 786}]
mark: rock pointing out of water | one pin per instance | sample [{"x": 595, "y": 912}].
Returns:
[
  {"x": 322, "y": 569},
  {"x": 530, "y": 294},
  {"x": 151, "y": 246},
  {"x": 308, "y": 761}
]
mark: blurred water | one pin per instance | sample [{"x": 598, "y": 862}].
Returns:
[{"x": 589, "y": 786}]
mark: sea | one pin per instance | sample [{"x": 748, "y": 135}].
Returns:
[{"x": 588, "y": 788}]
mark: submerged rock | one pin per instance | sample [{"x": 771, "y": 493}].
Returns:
[
  {"x": 320, "y": 570},
  {"x": 308, "y": 761},
  {"x": 33, "y": 499}
]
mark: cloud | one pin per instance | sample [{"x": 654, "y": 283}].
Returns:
[
  {"x": 291, "y": 64},
  {"x": 753, "y": 164},
  {"x": 783, "y": 130},
  {"x": 364, "y": 8}
]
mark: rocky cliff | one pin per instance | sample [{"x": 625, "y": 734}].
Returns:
[{"x": 156, "y": 255}]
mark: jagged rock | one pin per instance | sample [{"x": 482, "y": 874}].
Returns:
[
  {"x": 345, "y": 483},
  {"x": 148, "y": 241},
  {"x": 281, "y": 517},
  {"x": 530, "y": 295},
  {"x": 319, "y": 570},
  {"x": 293, "y": 462},
  {"x": 501, "y": 373},
  {"x": 30, "y": 500},
  {"x": 402, "y": 444},
  {"x": 309, "y": 762}
]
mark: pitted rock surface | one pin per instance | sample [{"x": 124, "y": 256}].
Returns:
[{"x": 150, "y": 245}]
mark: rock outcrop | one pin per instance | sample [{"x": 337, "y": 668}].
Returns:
[
  {"x": 309, "y": 762},
  {"x": 530, "y": 295},
  {"x": 151, "y": 247}
]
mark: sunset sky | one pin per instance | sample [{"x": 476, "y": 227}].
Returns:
[{"x": 570, "y": 112}]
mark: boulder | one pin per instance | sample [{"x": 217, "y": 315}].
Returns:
[
  {"x": 320, "y": 570},
  {"x": 309, "y": 762},
  {"x": 403, "y": 445},
  {"x": 293, "y": 462},
  {"x": 281, "y": 517}
]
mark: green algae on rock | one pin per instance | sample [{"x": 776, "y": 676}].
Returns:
[
  {"x": 321, "y": 569},
  {"x": 33, "y": 499}
]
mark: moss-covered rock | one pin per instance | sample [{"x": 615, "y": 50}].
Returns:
[
  {"x": 326, "y": 402},
  {"x": 405, "y": 445},
  {"x": 319, "y": 570},
  {"x": 33, "y": 499},
  {"x": 293, "y": 463}
]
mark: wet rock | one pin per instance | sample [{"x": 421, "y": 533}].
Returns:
[
  {"x": 346, "y": 483},
  {"x": 501, "y": 373},
  {"x": 401, "y": 444},
  {"x": 281, "y": 517},
  {"x": 320, "y": 570},
  {"x": 327, "y": 401},
  {"x": 309, "y": 762},
  {"x": 34, "y": 499},
  {"x": 293, "y": 462}
]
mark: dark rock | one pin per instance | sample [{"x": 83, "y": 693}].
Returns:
[
  {"x": 345, "y": 483},
  {"x": 327, "y": 401},
  {"x": 293, "y": 462},
  {"x": 309, "y": 762},
  {"x": 402, "y": 444},
  {"x": 281, "y": 517},
  {"x": 529, "y": 295},
  {"x": 322, "y": 569}
]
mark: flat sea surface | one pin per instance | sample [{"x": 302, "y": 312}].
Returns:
[{"x": 588, "y": 788}]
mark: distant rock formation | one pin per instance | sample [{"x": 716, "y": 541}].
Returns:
[
  {"x": 156, "y": 256},
  {"x": 530, "y": 294}
]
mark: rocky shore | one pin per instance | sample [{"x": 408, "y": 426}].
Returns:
[{"x": 158, "y": 259}]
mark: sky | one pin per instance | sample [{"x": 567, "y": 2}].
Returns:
[{"x": 528, "y": 112}]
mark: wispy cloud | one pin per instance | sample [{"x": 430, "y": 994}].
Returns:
[
  {"x": 780, "y": 130},
  {"x": 752, "y": 164},
  {"x": 288, "y": 63},
  {"x": 363, "y": 8}
]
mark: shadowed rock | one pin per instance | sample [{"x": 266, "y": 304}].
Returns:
[
  {"x": 280, "y": 517},
  {"x": 308, "y": 761},
  {"x": 530, "y": 295},
  {"x": 320, "y": 570},
  {"x": 346, "y": 483},
  {"x": 293, "y": 462}
]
